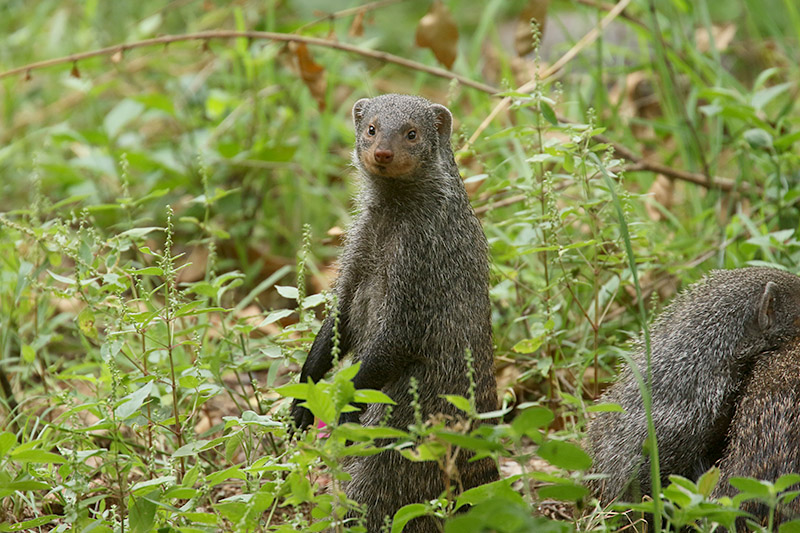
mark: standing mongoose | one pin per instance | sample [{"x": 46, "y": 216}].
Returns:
[
  {"x": 412, "y": 299},
  {"x": 703, "y": 347},
  {"x": 764, "y": 436}
]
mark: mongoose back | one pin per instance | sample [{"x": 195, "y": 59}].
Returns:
[
  {"x": 703, "y": 347},
  {"x": 764, "y": 436},
  {"x": 412, "y": 297}
]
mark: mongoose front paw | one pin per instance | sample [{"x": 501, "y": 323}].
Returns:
[
  {"x": 352, "y": 416},
  {"x": 302, "y": 416}
]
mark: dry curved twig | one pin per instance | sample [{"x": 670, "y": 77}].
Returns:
[{"x": 638, "y": 163}]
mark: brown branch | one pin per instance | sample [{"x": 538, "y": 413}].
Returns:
[
  {"x": 328, "y": 17},
  {"x": 638, "y": 162},
  {"x": 266, "y": 35}
]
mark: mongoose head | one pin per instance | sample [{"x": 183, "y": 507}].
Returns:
[
  {"x": 742, "y": 311},
  {"x": 401, "y": 137},
  {"x": 779, "y": 307}
]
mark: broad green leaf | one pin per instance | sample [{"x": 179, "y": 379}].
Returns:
[
  {"x": 145, "y": 487},
  {"x": 751, "y": 486},
  {"x": 133, "y": 401},
  {"x": 7, "y": 441},
  {"x": 469, "y": 442},
  {"x": 287, "y": 292},
  {"x": 193, "y": 448},
  {"x": 29, "y": 525},
  {"x": 564, "y": 455},
  {"x": 36, "y": 456},
  {"x": 407, "y": 513},
  {"x": 565, "y": 493},
  {"x": 142, "y": 512},
  {"x": 758, "y": 138},
  {"x": 786, "y": 481},
  {"x": 459, "y": 401},
  {"x": 532, "y": 418},
  {"x": 121, "y": 115},
  {"x": 274, "y": 316},
  {"x": 605, "y": 408},
  {"x": 548, "y": 113},
  {"x": 372, "y": 396},
  {"x": 28, "y": 353},
  {"x": 708, "y": 481}
]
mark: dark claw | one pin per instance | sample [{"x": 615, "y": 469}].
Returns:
[
  {"x": 352, "y": 416},
  {"x": 302, "y": 416}
]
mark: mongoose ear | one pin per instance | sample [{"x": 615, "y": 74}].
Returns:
[
  {"x": 443, "y": 121},
  {"x": 358, "y": 110},
  {"x": 766, "y": 308}
]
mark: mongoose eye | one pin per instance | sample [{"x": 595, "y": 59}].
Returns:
[
  {"x": 411, "y": 135},
  {"x": 371, "y": 130}
]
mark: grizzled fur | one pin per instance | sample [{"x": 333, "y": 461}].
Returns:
[
  {"x": 703, "y": 347},
  {"x": 412, "y": 298},
  {"x": 764, "y": 437}
]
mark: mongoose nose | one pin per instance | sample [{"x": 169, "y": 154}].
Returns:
[{"x": 384, "y": 157}]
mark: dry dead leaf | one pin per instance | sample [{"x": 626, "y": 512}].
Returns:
[
  {"x": 313, "y": 73},
  {"x": 75, "y": 73},
  {"x": 663, "y": 192},
  {"x": 197, "y": 269},
  {"x": 437, "y": 30},
  {"x": 536, "y": 10},
  {"x": 116, "y": 57},
  {"x": 722, "y": 35},
  {"x": 357, "y": 26}
]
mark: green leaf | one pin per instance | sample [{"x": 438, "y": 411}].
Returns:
[
  {"x": 121, "y": 115},
  {"x": 62, "y": 279},
  {"x": 565, "y": 493},
  {"x": 786, "y": 481},
  {"x": 751, "y": 486},
  {"x": 758, "y": 138},
  {"x": 28, "y": 525},
  {"x": 548, "y": 113},
  {"x": 372, "y": 396},
  {"x": 764, "y": 96},
  {"x": 287, "y": 292},
  {"x": 358, "y": 433},
  {"x": 708, "y": 481},
  {"x": 143, "y": 486},
  {"x": 233, "y": 472},
  {"x": 605, "y": 408},
  {"x": 133, "y": 401},
  {"x": 274, "y": 316},
  {"x": 528, "y": 345},
  {"x": 564, "y": 455},
  {"x": 7, "y": 441},
  {"x": 531, "y": 419},
  {"x": 320, "y": 403},
  {"x": 792, "y": 526},
  {"x": 86, "y": 321},
  {"x": 313, "y": 300},
  {"x": 469, "y": 442},
  {"x": 496, "y": 489},
  {"x": 36, "y": 456},
  {"x": 26, "y": 485},
  {"x": 407, "y": 513},
  {"x": 293, "y": 390},
  {"x": 459, "y": 401},
  {"x": 28, "y": 353},
  {"x": 142, "y": 513},
  {"x": 187, "y": 450},
  {"x": 148, "y": 271}
]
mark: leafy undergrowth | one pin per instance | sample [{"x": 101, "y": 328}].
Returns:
[{"x": 170, "y": 217}]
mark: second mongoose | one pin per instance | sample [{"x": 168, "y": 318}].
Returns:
[
  {"x": 764, "y": 436},
  {"x": 412, "y": 300},
  {"x": 703, "y": 347}
]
